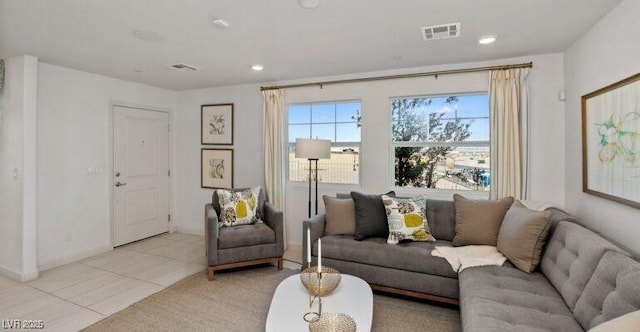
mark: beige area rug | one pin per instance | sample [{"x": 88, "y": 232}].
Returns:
[{"x": 239, "y": 301}]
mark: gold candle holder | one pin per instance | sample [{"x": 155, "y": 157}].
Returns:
[
  {"x": 333, "y": 322},
  {"x": 320, "y": 283}
]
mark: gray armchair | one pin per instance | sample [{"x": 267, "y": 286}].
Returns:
[{"x": 244, "y": 245}]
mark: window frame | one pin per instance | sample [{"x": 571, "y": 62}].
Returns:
[
  {"x": 435, "y": 193},
  {"x": 342, "y": 144}
]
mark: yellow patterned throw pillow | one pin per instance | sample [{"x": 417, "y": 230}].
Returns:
[
  {"x": 238, "y": 207},
  {"x": 407, "y": 219}
]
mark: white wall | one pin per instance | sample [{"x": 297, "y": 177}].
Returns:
[
  {"x": 190, "y": 198},
  {"x": 17, "y": 169},
  {"x": 74, "y": 110},
  {"x": 609, "y": 52},
  {"x": 547, "y": 168}
]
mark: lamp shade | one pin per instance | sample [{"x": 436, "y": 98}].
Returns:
[{"x": 313, "y": 148}]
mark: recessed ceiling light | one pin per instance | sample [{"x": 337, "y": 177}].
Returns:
[
  {"x": 146, "y": 35},
  {"x": 487, "y": 40},
  {"x": 220, "y": 23},
  {"x": 397, "y": 58},
  {"x": 139, "y": 71},
  {"x": 257, "y": 67},
  {"x": 309, "y": 4}
]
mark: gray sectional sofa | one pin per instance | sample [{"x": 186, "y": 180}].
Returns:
[{"x": 582, "y": 281}]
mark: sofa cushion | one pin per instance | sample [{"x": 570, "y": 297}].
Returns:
[
  {"x": 441, "y": 216},
  {"x": 571, "y": 257},
  {"x": 409, "y": 256},
  {"x": 496, "y": 298},
  {"x": 371, "y": 220},
  {"x": 245, "y": 235},
  {"x": 614, "y": 290},
  {"x": 522, "y": 235},
  {"x": 478, "y": 221},
  {"x": 340, "y": 217},
  {"x": 407, "y": 219}
]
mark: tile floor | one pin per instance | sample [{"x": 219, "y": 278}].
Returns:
[{"x": 74, "y": 296}]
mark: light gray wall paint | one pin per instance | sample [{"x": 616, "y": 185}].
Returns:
[
  {"x": 608, "y": 53},
  {"x": 74, "y": 107}
]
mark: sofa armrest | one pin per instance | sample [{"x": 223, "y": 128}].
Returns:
[
  {"x": 316, "y": 224},
  {"x": 211, "y": 234},
  {"x": 274, "y": 218}
]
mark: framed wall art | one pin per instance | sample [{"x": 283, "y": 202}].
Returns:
[
  {"x": 611, "y": 142},
  {"x": 216, "y": 124},
  {"x": 216, "y": 168}
]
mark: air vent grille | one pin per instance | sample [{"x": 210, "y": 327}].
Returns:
[
  {"x": 183, "y": 67},
  {"x": 443, "y": 31}
]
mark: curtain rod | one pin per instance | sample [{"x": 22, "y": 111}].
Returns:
[{"x": 392, "y": 77}]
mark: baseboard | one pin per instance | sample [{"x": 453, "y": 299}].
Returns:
[
  {"x": 11, "y": 274},
  {"x": 187, "y": 231},
  {"x": 73, "y": 258}
]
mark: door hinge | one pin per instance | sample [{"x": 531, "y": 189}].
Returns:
[
  {"x": 169, "y": 217},
  {"x": 169, "y": 172},
  {"x": 169, "y": 127}
]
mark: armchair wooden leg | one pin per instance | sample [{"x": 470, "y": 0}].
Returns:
[
  {"x": 210, "y": 273},
  {"x": 280, "y": 263}
]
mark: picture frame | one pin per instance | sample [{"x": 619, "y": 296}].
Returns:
[
  {"x": 216, "y": 168},
  {"x": 216, "y": 124},
  {"x": 611, "y": 142}
]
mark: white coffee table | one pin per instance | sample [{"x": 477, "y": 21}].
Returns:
[{"x": 290, "y": 302}]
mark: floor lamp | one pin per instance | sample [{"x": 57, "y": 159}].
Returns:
[{"x": 313, "y": 149}]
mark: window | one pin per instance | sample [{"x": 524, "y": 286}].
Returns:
[
  {"x": 441, "y": 142},
  {"x": 335, "y": 121}
]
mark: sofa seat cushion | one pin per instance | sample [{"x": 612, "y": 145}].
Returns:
[
  {"x": 497, "y": 298},
  {"x": 410, "y": 256},
  {"x": 245, "y": 235}
]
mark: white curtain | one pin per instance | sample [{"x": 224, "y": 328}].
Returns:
[
  {"x": 508, "y": 99},
  {"x": 273, "y": 128}
]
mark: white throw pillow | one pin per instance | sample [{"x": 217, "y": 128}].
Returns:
[{"x": 625, "y": 323}]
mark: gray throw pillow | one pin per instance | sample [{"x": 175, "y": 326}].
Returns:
[
  {"x": 522, "y": 235},
  {"x": 340, "y": 216},
  {"x": 478, "y": 221},
  {"x": 371, "y": 218}
]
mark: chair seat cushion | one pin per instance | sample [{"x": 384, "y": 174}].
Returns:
[
  {"x": 245, "y": 235},
  {"x": 496, "y": 298},
  {"x": 408, "y": 256}
]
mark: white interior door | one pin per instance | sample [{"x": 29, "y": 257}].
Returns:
[{"x": 141, "y": 174}]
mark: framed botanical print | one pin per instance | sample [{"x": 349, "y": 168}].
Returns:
[
  {"x": 216, "y": 123},
  {"x": 216, "y": 168},
  {"x": 611, "y": 142}
]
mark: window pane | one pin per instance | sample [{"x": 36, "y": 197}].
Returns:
[
  {"x": 454, "y": 168},
  {"x": 299, "y": 131},
  {"x": 323, "y": 113},
  {"x": 473, "y": 106},
  {"x": 347, "y": 112},
  {"x": 479, "y": 130},
  {"x": 337, "y": 122},
  {"x": 343, "y": 166},
  {"x": 324, "y": 131},
  {"x": 300, "y": 113},
  {"x": 347, "y": 132}
]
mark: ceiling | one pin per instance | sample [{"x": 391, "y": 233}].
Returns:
[{"x": 338, "y": 37}]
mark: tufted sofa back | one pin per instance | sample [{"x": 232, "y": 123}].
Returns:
[
  {"x": 571, "y": 257},
  {"x": 614, "y": 290}
]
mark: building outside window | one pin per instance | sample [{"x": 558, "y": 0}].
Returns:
[
  {"x": 335, "y": 121},
  {"x": 441, "y": 142}
]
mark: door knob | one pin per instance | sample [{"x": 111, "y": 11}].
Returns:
[{"x": 118, "y": 184}]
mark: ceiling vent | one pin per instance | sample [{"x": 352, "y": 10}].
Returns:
[
  {"x": 183, "y": 67},
  {"x": 443, "y": 31}
]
